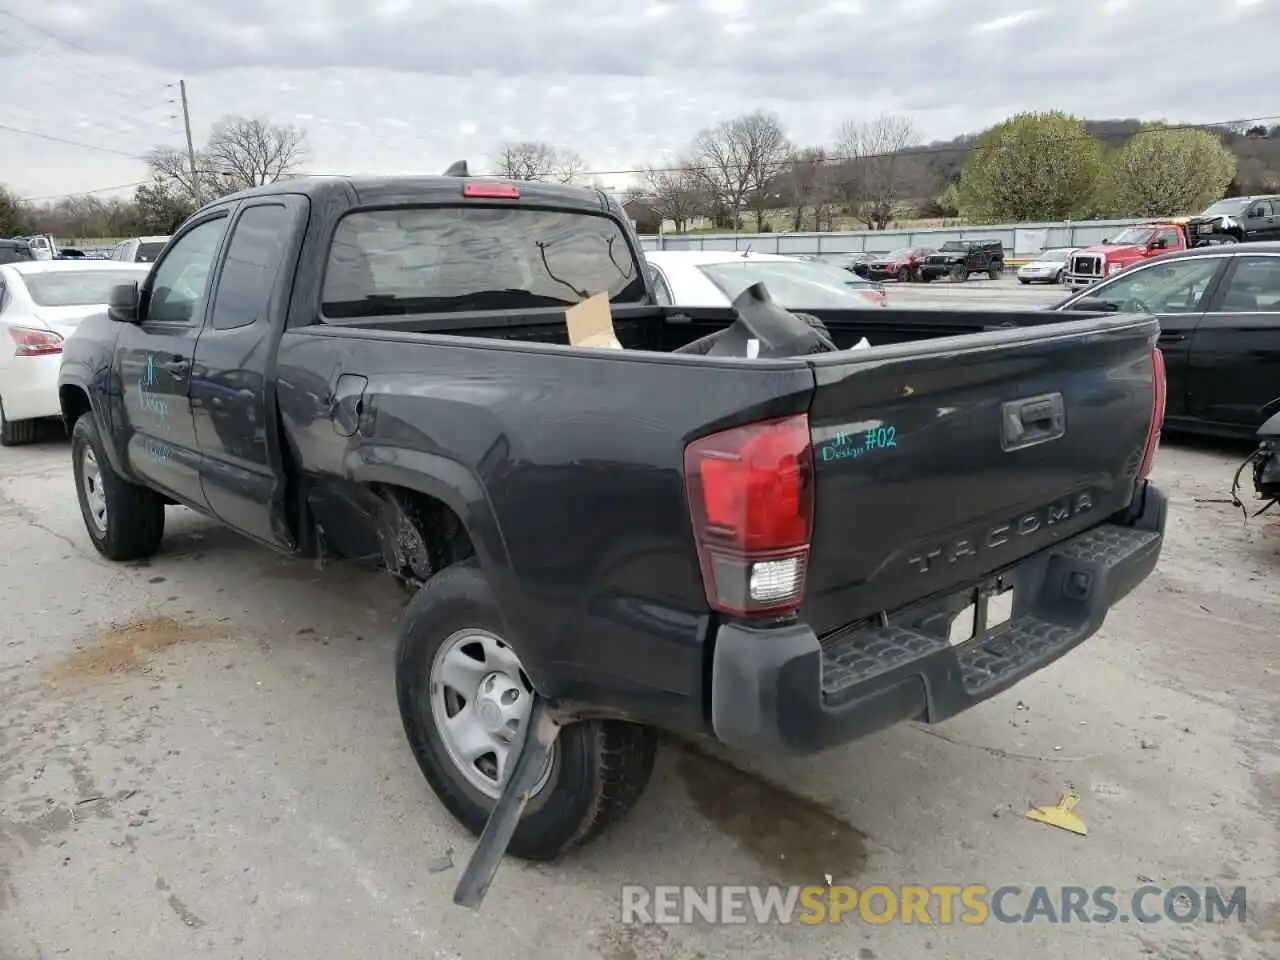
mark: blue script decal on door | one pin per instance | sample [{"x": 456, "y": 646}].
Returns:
[{"x": 850, "y": 446}]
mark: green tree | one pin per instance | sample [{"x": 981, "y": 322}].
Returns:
[
  {"x": 160, "y": 207},
  {"x": 1161, "y": 172},
  {"x": 1033, "y": 166},
  {"x": 14, "y": 218}
]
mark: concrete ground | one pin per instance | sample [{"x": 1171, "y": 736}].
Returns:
[{"x": 200, "y": 756}]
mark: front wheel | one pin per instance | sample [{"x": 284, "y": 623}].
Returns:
[
  {"x": 124, "y": 521},
  {"x": 959, "y": 274},
  {"x": 464, "y": 697},
  {"x": 1059, "y": 277}
]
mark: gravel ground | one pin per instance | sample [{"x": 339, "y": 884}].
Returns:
[{"x": 200, "y": 756}]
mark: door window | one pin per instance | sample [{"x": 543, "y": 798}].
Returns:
[
  {"x": 251, "y": 267},
  {"x": 181, "y": 279},
  {"x": 661, "y": 292},
  {"x": 1175, "y": 287},
  {"x": 1253, "y": 287},
  {"x": 1170, "y": 237}
]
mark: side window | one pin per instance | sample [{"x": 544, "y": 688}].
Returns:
[
  {"x": 1253, "y": 287},
  {"x": 181, "y": 280},
  {"x": 1170, "y": 237},
  {"x": 252, "y": 264},
  {"x": 1176, "y": 287},
  {"x": 661, "y": 292}
]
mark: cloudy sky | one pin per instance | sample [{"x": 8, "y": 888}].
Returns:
[{"x": 401, "y": 86}]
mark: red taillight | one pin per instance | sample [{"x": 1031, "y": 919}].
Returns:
[
  {"x": 751, "y": 499},
  {"x": 1159, "y": 391},
  {"x": 34, "y": 343},
  {"x": 491, "y": 191}
]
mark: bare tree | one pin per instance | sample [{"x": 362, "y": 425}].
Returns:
[
  {"x": 739, "y": 159},
  {"x": 673, "y": 194},
  {"x": 251, "y": 152},
  {"x": 807, "y": 185},
  {"x": 873, "y": 167},
  {"x": 172, "y": 168},
  {"x": 537, "y": 161}
]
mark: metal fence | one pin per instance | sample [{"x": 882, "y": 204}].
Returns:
[{"x": 1019, "y": 239}]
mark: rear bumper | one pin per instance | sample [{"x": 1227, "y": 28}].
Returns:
[
  {"x": 29, "y": 388},
  {"x": 781, "y": 690}
]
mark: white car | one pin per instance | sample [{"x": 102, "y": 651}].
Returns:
[
  {"x": 714, "y": 278},
  {"x": 41, "y": 304},
  {"x": 1049, "y": 266},
  {"x": 139, "y": 249}
]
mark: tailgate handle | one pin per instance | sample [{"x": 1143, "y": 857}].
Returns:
[{"x": 1032, "y": 420}]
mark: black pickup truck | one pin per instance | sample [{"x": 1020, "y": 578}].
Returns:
[{"x": 780, "y": 554}]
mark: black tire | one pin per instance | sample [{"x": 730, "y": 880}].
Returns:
[
  {"x": 600, "y": 767},
  {"x": 134, "y": 514},
  {"x": 1024, "y": 282},
  {"x": 994, "y": 273},
  {"x": 959, "y": 274},
  {"x": 14, "y": 433},
  {"x": 1059, "y": 277}
]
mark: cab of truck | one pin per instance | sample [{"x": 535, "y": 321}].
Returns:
[{"x": 1094, "y": 263}]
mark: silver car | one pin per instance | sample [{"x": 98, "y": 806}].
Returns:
[{"x": 1049, "y": 266}]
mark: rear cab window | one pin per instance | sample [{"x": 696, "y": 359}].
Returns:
[{"x": 446, "y": 259}]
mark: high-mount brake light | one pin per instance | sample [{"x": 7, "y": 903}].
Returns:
[
  {"x": 1159, "y": 394},
  {"x": 751, "y": 497},
  {"x": 34, "y": 343},
  {"x": 491, "y": 191}
]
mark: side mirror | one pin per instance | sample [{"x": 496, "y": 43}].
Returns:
[
  {"x": 122, "y": 306},
  {"x": 1159, "y": 244}
]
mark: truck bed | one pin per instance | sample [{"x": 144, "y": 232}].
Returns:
[{"x": 577, "y": 455}]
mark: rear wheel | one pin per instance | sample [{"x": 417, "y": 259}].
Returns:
[
  {"x": 1025, "y": 282},
  {"x": 993, "y": 273},
  {"x": 464, "y": 697},
  {"x": 124, "y": 521},
  {"x": 16, "y": 432}
]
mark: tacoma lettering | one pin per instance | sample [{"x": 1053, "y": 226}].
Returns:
[{"x": 1004, "y": 533}]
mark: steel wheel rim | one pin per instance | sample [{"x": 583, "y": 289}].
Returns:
[
  {"x": 95, "y": 497},
  {"x": 481, "y": 699}
]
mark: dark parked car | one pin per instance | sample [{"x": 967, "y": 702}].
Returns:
[
  {"x": 781, "y": 554},
  {"x": 15, "y": 251},
  {"x": 902, "y": 264},
  {"x": 958, "y": 259},
  {"x": 1219, "y": 310}
]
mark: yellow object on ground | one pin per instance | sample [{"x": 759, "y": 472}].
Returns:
[{"x": 1063, "y": 815}]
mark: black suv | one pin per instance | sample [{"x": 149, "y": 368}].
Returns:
[{"x": 959, "y": 258}]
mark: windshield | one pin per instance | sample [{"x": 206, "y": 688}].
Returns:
[
  {"x": 955, "y": 245},
  {"x": 793, "y": 284},
  {"x": 444, "y": 259},
  {"x": 76, "y": 288},
  {"x": 1136, "y": 236},
  {"x": 147, "y": 252},
  {"x": 1054, "y": 256},
  {"x": 1231, "y": 208}
]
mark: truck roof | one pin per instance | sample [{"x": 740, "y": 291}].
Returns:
[{"x": 369, "y": 191}]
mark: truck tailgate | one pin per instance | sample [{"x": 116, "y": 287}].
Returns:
[{"x": 940, "y": 462}]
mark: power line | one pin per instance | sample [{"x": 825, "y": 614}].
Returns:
[
  {"x": 70, "y": 143},
  {"x": 86, "y": 193}
]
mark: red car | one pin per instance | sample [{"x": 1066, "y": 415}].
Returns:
[{"x": 902, "y": 265}]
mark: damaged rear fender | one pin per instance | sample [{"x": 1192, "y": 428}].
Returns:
[{"x": 460, "y": 490}]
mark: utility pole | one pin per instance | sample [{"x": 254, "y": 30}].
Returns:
[{"x": 191, "y": 150}]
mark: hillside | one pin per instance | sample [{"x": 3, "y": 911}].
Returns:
[{"x": 927, "y": 170}]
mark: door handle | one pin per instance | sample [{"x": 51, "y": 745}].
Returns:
[
  {"x": 1032, "y": 420},
  {"x": 177, "y": 368},
  {"x": 1172, "y": 337}
]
